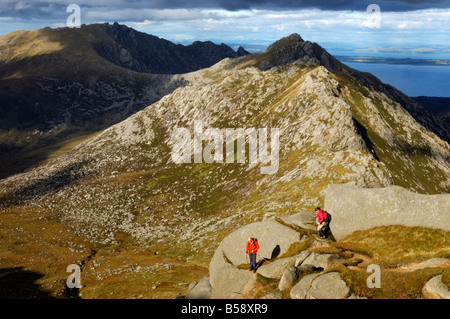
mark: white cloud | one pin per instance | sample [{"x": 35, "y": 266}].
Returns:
[
  {"x": 279, "y": 27},
  {"x": 344, "y": 27},
  {"x": 21, "y": 5},
  {"x": 135, "y": 15},
  {"x": 143, "y": 23}
]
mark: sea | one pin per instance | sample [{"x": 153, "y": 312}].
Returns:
[{"x": 413, "y": 80}]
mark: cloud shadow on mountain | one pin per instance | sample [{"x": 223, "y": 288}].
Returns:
[
  {"x": 20, "y": 283},
  {"x": 48, "y": 184}
]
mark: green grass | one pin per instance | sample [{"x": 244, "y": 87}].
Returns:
[
  {"x": 395, "y": 245},
  {"x": 390, "y": 247},
  {"x": 394, "y": 285}
]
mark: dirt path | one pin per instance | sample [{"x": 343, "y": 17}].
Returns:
[{"x": 407, "y": 267}]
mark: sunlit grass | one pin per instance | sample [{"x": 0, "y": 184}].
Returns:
[{"x": 394, "y": 245}]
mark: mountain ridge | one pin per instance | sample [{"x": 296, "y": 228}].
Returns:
[
  {"x": 297, "y": 48},
  {"x": 145, "y": 53},
  {"x": 57, "y": 85}
]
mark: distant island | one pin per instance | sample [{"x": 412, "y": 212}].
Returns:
[{"x": 406, "y": 61}]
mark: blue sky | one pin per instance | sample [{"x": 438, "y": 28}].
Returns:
[{"x": 412, "y": 28}]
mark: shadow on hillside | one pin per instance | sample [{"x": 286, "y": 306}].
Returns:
[
  {"x": 424, "y": 173},
  {"x": 42, "y": 94},
  {"x": 49, "y": 184},
  {"x": 423, "y": 150},
  {"x": 16, "y": 159},
  {"x": 362, "y": 131},
  {"x": 19, "y": 283}
]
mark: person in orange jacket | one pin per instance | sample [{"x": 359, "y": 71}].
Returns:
[{"x": 251, "y": 250}]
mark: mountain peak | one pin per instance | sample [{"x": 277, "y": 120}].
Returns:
[
  {"x": 242, "y": 52},
  {"x": 289, "y": 41},
  {"x": 292, "y": 48},
  {"x": 146, "y": 53}
]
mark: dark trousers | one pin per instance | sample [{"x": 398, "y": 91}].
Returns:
[
  {"x": 323, "y": 229},
  {"x": 252, "y": 260}
]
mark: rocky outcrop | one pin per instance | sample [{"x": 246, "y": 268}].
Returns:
[
  {"x": 292, "y": 48},
  {"x": 436, "y": 289},
  {"x": 290, "y": 275},
  {"x": 200, "y": 289},
  {"x": 302, "y": 219},
  {"x": 230, "y": 277},
  {"x": 226, "y": 279},
  {"x": 275, "y": 270},
  {"x": 321, "y": 260},
  {"x": 356, "y": 208},
  {"x": 274, "y": 239},
  {"x": 322, "y": 286}
]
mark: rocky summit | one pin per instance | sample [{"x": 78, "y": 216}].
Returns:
[{"x": 336, "y": 126}]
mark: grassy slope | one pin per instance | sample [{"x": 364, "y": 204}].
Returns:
[
  {"x": 419, "y": 176},
  {"x": 390, "y": 247},
  {"x": 28, "y": 53},
  {"x": 37, "y": 251}
]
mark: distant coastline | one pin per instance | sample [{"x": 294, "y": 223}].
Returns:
[
  {"x": 383, "y": 60},
  {"x": 411, "y": 79}
]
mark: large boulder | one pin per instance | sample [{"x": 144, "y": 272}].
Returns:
[
  {"x": 321, "y": 286},
  {"x": 328, "y": 286},
  {"x": 232, "y": 283},
  {"x": 200, "y": 289},
  {"x": 274, "y": 239},
  {"x": 321, "y": 260},
  {"x": 227, "y": 280},
  {"x": 436, "y": 289},
  {"x": 356, "y": 208},
  {"x": 290, "y": 275},
  {"x": 302, "y": 219},
  {"x": 300, "y": 290},
  {"x": 275, "y": 270}
]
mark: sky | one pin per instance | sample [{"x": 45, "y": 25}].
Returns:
[{"x": 412, "y": 28}]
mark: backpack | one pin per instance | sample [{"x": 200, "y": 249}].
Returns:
[{"x": 328, "y": 219}]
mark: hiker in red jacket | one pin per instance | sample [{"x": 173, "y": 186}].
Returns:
[
  {"x": 322, "y": 222},
  {"x": 251, "y": 250}
]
